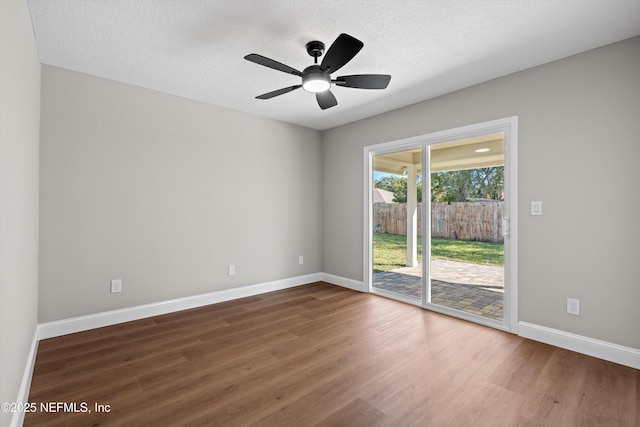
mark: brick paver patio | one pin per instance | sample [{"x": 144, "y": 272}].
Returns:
[{"x": 473, "y": 288}]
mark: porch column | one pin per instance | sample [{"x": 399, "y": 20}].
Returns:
[{"x": 412, "y": 216}]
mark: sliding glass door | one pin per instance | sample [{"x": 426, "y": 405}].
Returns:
[{"x": 438, "y": 222}]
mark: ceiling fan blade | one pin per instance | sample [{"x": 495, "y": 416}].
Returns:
[
  {"x": 263, "y": 60},
  {"x": 326, "y": 99},
  {"x": 364, "y": 81},
  {"x": 343, "y": 49},
  {"x": 278, "y": 92}
]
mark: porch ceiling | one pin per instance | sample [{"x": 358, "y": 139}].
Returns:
[{"x": 448, "y": 156}]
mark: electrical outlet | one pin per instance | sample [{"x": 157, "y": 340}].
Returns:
[
  {"x": 300, "y": 260},
  {"x": 232, "y": 269},
  {"x": 116, "y": 286},
  {"x": 573, "y": 306}
]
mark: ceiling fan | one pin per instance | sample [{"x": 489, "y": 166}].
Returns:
[{"x": 317, "y": 78}]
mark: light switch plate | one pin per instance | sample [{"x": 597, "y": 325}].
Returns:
[{"x": 536, "y": 207}]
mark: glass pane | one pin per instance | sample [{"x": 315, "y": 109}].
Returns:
[
  {"x": 467, "y": 246},
  {"x": 397, "y": 228}
]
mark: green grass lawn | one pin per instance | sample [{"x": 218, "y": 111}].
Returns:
[{"x": 390, "y": 251}]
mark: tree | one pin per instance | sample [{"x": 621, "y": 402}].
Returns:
[
  {"x": 452, "y": 186},
  {"x": 398, "y": 186},
  {"x": 461, "y": 185},
  {"x": 489, "y": 182}
]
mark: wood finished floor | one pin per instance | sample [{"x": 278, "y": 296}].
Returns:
[{"x": 327, "y": 356}]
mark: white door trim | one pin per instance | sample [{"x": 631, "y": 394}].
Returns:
[{"x": 509, "y": 126}]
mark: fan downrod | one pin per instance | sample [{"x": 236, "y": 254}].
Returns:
[{"x": 315, "y": 49}]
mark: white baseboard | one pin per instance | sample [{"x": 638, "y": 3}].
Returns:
[
  {"x": 343, "y": 281},
  {"x": 601, "y": 349},
  {"x": 107, "y": 318},
  {"x": 25, "y": 385},
  {"x": 626, "y": 356}
]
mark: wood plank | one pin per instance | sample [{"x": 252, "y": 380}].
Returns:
[
  {"x": 600, "y": 406},
  {"x": 324, "y": 355},
  {"x": 355, "y": 413},
  {"x": 523, "y": 366}
]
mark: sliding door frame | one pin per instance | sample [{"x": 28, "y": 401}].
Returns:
[{"x": 509, "y": 126}]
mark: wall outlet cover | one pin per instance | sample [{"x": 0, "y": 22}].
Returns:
[
  {"x": 116, "y": 286},
  {"x": 573, "y": 306}
]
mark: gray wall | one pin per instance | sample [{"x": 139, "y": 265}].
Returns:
[
  {"x": 19, "y": 117},
  {"x": 164, "y": 193},
  {"x": 579, "y": 152}
]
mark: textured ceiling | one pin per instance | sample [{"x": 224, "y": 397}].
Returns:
[{"x": 195, "y": 48}]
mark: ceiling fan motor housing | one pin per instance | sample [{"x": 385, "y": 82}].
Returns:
[{"x": 314, "y": 79}]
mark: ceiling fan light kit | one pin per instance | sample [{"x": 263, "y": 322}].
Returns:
[
  {"x": 317, "y": 78},
  {"x": 314, "y": 79}
]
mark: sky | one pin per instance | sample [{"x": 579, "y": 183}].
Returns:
[{"x": 377, "y": 175}]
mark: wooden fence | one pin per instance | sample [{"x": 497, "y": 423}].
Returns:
[{"x": 480, "y": 221}]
